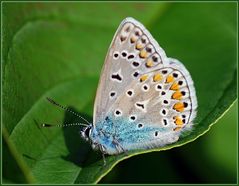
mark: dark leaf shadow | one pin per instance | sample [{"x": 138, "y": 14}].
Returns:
[{"x": 80, "y": 151}]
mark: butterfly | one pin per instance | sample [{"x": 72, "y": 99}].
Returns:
[{"x": 144, "y": 99}]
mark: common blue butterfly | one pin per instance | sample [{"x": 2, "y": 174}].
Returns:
[{"x": 144, "y": 99}]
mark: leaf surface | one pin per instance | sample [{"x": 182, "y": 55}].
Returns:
[{"x": 57, "y": 50}]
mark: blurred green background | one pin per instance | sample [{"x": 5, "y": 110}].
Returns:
[{"x": 58, "y": 49}]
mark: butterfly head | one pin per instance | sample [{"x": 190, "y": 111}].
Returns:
[
  {"x": 89, "y": 134},
  {"x": 85, "y": 133}
]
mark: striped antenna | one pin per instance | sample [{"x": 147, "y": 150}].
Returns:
[
  {"x": 64, "y": 125},
  {"x": 66, "y": 109}
]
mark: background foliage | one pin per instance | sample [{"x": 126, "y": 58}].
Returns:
[{"x": 58, "y": 49}]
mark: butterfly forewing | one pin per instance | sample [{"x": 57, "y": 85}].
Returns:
[{"x": 132, "y": 53}]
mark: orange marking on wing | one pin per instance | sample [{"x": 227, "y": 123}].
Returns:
[
  {"x": 139, "y": 46},
  {"x": 143, "y": 78},
  {"x": 174, "y": 86},
  {"x": 132, "y": 39},
  {"x": 143, "y": 54},
  {"x": 178, "y": 120},
  {"x": 169, "y": 79},
  {"x": 149, "y": 63},
  {"x": 179, "y": 107},
  {"x": 177, "y": 128},
  {"x": 157, "y": 77},
  {"x": 177, "y": 95}
]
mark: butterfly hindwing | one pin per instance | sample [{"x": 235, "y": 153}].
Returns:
[{"x": 157, "y": 110}]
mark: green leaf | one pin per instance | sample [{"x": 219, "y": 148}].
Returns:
[{"x": 57, "y": 50}]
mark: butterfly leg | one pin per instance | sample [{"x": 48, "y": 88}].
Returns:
[
  {"x": 124, "y": 151},
  {"x": 104, "y": 160},
  {"x": 101, "y": 147},
  {"x": 119, "y": 147}
]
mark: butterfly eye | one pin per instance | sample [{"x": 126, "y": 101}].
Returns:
[{"x": 86, "y": 133}]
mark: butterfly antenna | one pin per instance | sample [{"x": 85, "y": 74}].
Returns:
[
  {"x": 63, "y": 125},
  {"x": 66, "y": 109}
]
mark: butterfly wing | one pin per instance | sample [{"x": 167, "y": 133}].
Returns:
[
  {"x": 132, "y": 53},
  {"x": 156, "y": 111},
  {"x": 144, "y": 99}
]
